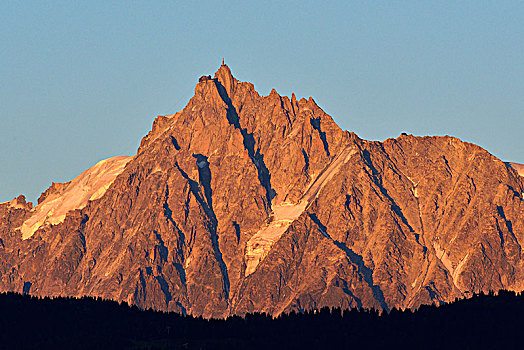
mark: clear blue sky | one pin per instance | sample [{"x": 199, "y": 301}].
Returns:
[{"x": 83, "y": 81}]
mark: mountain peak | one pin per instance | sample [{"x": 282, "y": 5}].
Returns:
[
  {"x": 224, "y": 76},
  {"x": 247, "y": 203}
]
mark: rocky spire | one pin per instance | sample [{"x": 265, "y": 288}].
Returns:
[{"x": 224, "y": 76}]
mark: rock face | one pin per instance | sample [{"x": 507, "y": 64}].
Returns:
[{"x": 242, "y": 203}]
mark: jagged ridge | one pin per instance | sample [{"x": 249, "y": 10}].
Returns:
[{"x": 242, "y": 203}]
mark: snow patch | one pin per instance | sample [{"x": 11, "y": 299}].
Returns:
[
  {"x": 157, "y": 169},
  {"x": 518, "y": 167},
  {"x": 459, "y": 269},
  {"x": 284, "y": 214},
  {"x": 444, "y": 258},
  {"x": 415, "y": 189},
  {"x": 261, "y": 243},
  {"x": 88, "y": 186}
]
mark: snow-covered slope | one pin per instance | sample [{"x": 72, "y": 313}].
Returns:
[
  {"x": 284, "y": 214},
  {"x": 518, "y": 167},
  {"x": 88, "y": 186}
]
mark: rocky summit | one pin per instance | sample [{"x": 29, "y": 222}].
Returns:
[{"x": 242, "y": 203}]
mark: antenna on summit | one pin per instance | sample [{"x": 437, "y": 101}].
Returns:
[{"x": 223, "y": 62}]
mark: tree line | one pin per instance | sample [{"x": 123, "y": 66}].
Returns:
[{"x": 483, "y": 320}]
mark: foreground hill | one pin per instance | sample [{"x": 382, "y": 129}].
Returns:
[
  {"x": 483, "y": 321},
  {"x": 246, "y": 203}
]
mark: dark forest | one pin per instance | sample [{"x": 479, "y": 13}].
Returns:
[{"x": 482, "y": 321}]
